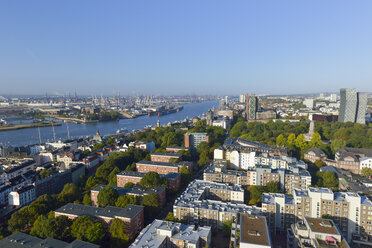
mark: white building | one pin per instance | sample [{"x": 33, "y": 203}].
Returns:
[
  {"x": 365, "y": 162},
  {"x": 22, "y": 196},
  {"x": 162, "y": 233},
  {"x": 242, "y": 160},
  {"x": 315, "y": 232},
  {"x": 309, "y": 103},
  {"x": 36, "y": 149}
]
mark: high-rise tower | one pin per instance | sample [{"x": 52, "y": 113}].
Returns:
[{"x": 353, "y": 106}]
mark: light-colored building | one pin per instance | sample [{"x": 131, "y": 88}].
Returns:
[
  {"x": 315, "y": 233},
  {"x": 207, "y": 203},
  {"x": 350, "y": 211},
  {"x": 160, "y": 234},
  {"x": 254, "y": 232},
  {"x": 365, "y": 162},
  {"x": 309, "y": 103},
  {"x": 22, "y": 196}
]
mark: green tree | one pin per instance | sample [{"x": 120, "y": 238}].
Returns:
[
  {"x": 107, "y": 197},
  {"x": 301, "y": 142},
  {"x": 316, "y": 140},
  {"x": 367, "y": 172},
  {"x": 226, "y": 227},
  {"x": 204, "y": 158},
  {"x": 123, "y": 201},
  {"x": 87, "y": 229},
  {"x": 117, "y": 233},
  {"x": 112, "y": 176},
  {"x": 319, "y": 163},
  {"x": 152, "y": 206},
  {"x": 87, "y": 200},
  {"x": 330, "y": 180},
  {"x": 95, "y": 233},
  {"x": 255, "y": 194},
  {"x": 44, "y": 173},
  {"x": 91, "y": 183},
  {"x": 170, "y": 217},
  {"x": 280, "y": 140},
  {"x": 337, "y": 144},
  {"x": 131, "y": 167},
  {"x": 129, "y": 185},
  {"x": 272, "y": 187},
  {"x": 291, "y": 139},
  {"x": 69, "y": 193},
  {"x": 153, "y": 179}
]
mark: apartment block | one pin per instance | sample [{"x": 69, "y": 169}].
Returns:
[
  {"x": 162, "y": 233},
  {"x": 132, "y": 215},
  {"x": 22, "y": 196},
  {"x": 315, "y": 233},
  {"x": 23, "y": 240},
  {"x": 175, "y": 149},
  {"x": 162, "y": 167},
  {"x": 254, "y": 232},
  {"x": 295, "y": 178},
  {"x": 166, "y": 157},
  {"x": 135, "y": 191},
  {"x": 173, "y": 179},
  {"x": 192, "y": 140},
  {"x": 207, "y": 203},
  {"x": 351, "y": 212}
]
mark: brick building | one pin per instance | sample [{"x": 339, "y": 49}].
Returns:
[
  {"x": 166, "y": 157},
  {"x": 135, "y": 191},
  {"x": 173, "y": 179},
  {"x": 131, "y": 215}
]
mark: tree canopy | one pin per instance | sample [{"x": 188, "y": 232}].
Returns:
[{"x": 107, "y": 197}]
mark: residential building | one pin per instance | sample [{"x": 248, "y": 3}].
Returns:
[
  {"x": 314, "y": 154},
  {"x": 134, "y": 191},
  {"x": 365, "y": 162},
  {"x": 350, "y": 211},
  {"x": 22, "y": 240},
  {"x": 175, "y": 149},
  {"x": 166, "y": 157},
  {"x": 349, "y": 158},
  {"x": 161, "y": 167},
  {"x": 149, "y": 146},
  {"x": 192, "y": 140},
  {"x": 315, "y": 233},
  {"x": 162, "y": 233},
  {"x": 132, "y": 215},
  {"x": 207, "y": 203},
  {"x": 294, "y": 178},
  {"x": 254, "y": 232},
  {"x": 22, "y": 196},
  {"x": 173, "y": 179},
  {"x": 309, "y": 103}
]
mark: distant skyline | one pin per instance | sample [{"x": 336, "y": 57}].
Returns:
[{"x": 185, "y": 47}]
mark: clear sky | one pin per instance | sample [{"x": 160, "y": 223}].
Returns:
[{"x": 181, "y": 47}]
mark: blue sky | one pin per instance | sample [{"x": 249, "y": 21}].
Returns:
[{"x": 183, "y": 47}]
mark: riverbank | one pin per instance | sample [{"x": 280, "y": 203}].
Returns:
[{"x": 29, "y": 125}]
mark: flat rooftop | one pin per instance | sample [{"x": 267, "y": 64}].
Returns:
[
  {"x": 111, "y": 212},
  {"x": 253, "y": 230},
  {"x": 322, "y": 226}
]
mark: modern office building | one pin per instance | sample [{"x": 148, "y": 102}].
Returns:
[
  {"x": 251, "y": 107},
  {"x": 353, "y": 106}
]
